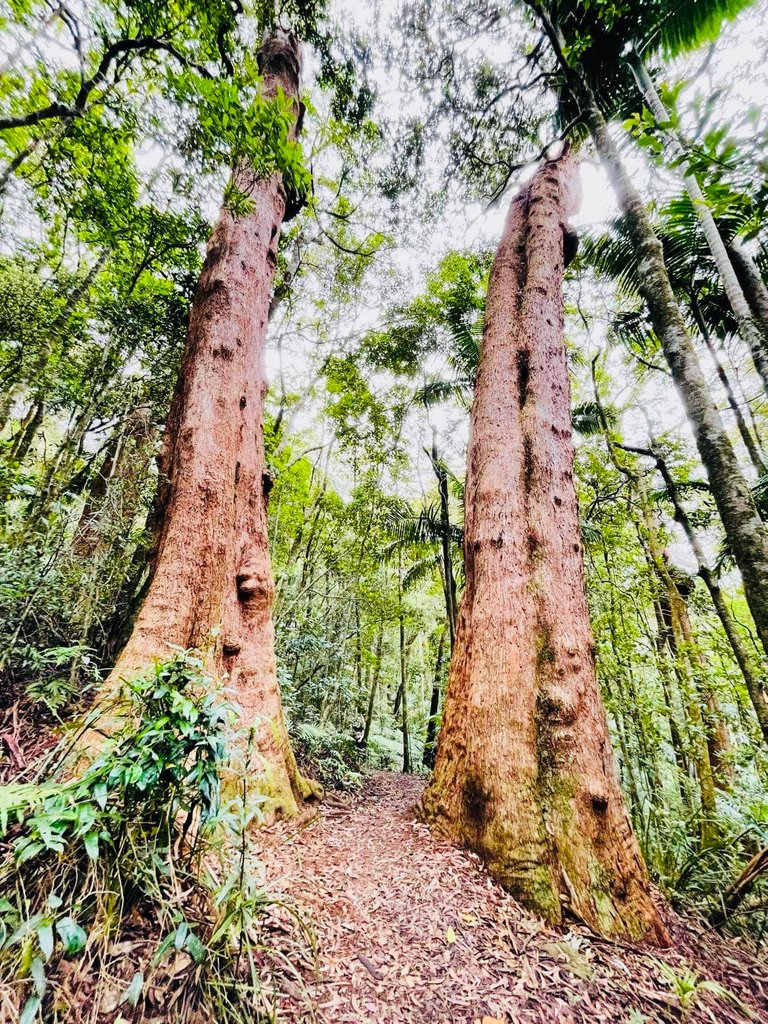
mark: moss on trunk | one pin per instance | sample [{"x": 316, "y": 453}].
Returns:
[{"x": 524, "y": 773}]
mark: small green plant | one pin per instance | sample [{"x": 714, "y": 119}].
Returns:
[
  {"x": 134, "y": 883},
  {"x": 53, "y": 688},
  {"x": 688, "y": 986}
]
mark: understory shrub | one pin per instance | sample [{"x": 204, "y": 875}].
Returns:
[
  {"x": 131, "y": 891},
  {"x": 332, "y": 758}
]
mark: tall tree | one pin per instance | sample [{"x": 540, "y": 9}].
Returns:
[
  {"x": 212, "y": 570},
  {"x": 743, "y": 526},
  {"x": 524, "y": 772},
  {"x": 748, "y": 325}
]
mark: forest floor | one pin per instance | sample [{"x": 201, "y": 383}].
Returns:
[{"x": 410, "y": 930}]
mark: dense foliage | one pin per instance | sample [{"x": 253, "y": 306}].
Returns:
[{"x": 119, "y": 121}]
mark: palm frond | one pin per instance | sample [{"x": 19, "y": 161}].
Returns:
[
  {"x": 685, "y": 25},
  {"x": 587, "y": 418},
  {"x": 437, "y": 391},
  {"x": 419, "y": 571}
]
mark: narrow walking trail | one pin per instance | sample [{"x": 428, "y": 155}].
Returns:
[{"x": 410, "y": 930}]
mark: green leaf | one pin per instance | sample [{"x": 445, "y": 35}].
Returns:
[
  {"x": 30, "y": 1011},
  {"x": 91, "y": 844},
  {"x": 100, "y": 794},
  {"x": 133, "y": 992},
  {"x": 195, "y": 948},
  {"x": 72, "y": 935},
  {"x": 37, "y": 970},
  {"x": 27, "y": 851},
  {"x": 181, "y": 935},
  {"x": 45, "y": 938}
]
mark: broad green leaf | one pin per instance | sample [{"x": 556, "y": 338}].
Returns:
[
  {"x": 45, "y": 938},
  {"x": 73, "y": 937}
]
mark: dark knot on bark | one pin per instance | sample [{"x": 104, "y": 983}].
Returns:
[
  {"x": 280, "y": 53},
  {"x": 295, "y": 201},
  {"x": 570, "y": 245},
  {"x": 254, "y": 588}
]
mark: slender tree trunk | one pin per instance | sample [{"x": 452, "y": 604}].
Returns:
[
  {"x": 85, "y": 538},
  {"x": 428, "y": 757},
  {"x": 746, "y": 434},
  {"x": 666, "y": 678},
  {"x": 741, "y": 652},
  {"x": 748, "y": 328},
  {"x": 449, "y": 580},
  {"x": 708, "y": 710},
  {"x": 405, "y": 725},
  {"x": 751, "y": 282},
  {"x": 745, "y": 530},
  {"x": 677, "y": 635},
  {"x": 374, "y": 687},
  {"x": 644, "y": 736},
  {"x": 212, "y": 566},
  {"x": 28, "y": 429},
  {"x": 524, "y": 773},
  {"x": 635, "y": 484},
  {"x": 358, "y": 648}
]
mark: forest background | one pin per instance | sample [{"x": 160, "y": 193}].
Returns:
[{"x": 419, "y": 125}]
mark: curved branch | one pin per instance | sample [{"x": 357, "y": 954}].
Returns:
[{"x": 76, "y": 109}]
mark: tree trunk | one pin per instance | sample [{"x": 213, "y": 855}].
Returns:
[
  {"x": 449, "y": 579},
  {"x": 745, "y": 530},
  {"x": 212, "y": 569},
  {"x": 374, "y": 687},
  {"x": 524, "y": 773},
  {"x": 748, "y": 328},
  {"x": 746, "y": 434},
  {"x": 27, "y": 432},
  {"x": 635, "y": 482},
  {"x": 751, "y": 283},
  {"x": 735, "y": 894},
  {"x": 739, "y": 647},
  {"x": 675, "y": 631},
  {"x": 428, "y": 757},
  {"x": 403, "y": 692}
]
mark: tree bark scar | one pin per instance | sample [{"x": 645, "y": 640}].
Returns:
[
  {"x": 476, "y": 800},
  {"x": 528, "y": 462},
  {"x": 214, "y": 292},
  {"x": 523, "y": 359},
  {"x": 254, "y": 588}
]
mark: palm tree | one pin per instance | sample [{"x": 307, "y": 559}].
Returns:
[
  {"x": 748, "y": 326},
  {"x": 586, "y": 47},
  {"x": 695, "y": 282}
]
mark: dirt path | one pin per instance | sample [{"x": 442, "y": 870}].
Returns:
[{"x": 411, "y": 931}]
